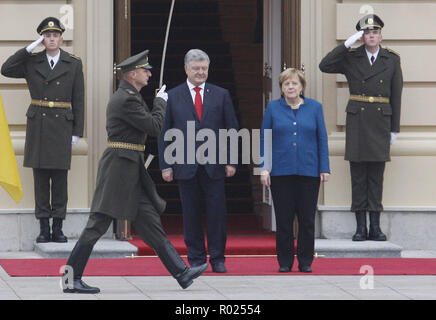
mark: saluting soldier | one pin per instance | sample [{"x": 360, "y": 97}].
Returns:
[
  {"x": 124, "y": 189},
  {"x": 55, "y": 120},
  {"x": 373, "y": 117}
]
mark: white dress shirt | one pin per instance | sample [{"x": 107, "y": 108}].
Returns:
[
  {"x": 55, "y": 59},
  {"x": 193, "y": 92},
  {"x": 372, "y": 54}
]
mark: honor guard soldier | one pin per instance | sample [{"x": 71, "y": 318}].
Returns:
[
  {"x": 373, "y": 117},
  {"x": 55, "y": 120},
  {"x": 124, "y": 189}
]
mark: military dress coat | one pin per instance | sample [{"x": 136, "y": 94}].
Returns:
[
  {"x": 49, "y": 130},
  {"x": 368, "y": 125},
  {"x": 122, "y": 180}
]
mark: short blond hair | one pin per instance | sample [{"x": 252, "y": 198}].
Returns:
[{"x": 290, "y": 73}]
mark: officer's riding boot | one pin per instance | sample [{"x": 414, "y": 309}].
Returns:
[
  {"x": 375, "y": 232},
  {"x": 361, "y": 229},
  {"x": 57, "y": 235},
  {"x": 177, "y": 267},
  {"x": 44, "y": 235},
  {"x": 72, "y": 278}
]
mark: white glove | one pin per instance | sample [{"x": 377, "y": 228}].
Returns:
[
  {"x": 74, "y": 140},
  {"x": 393, "y": 137},
  {"x": 353, "y": 39},
  {"x": 162, "y": 94},
  {"x": 34, "y": 44}
]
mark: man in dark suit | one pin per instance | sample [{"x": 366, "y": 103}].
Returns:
[
  {"x": 55, "y": 121},
  {"x": 193, "y": 106},
  {"x": 124, "y": 188},
  {"x": 373, "y": 117}
]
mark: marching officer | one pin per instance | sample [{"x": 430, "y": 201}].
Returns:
[
  {"x": 55, "y": 120},
  {"x": 124, "y": 189},
  {"x": 373, "y": 117}
]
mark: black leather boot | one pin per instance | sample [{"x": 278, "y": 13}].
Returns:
[
  {"x": 57, "y": 235},
  {"x": 361, "y": 229},
  {"x": 375, "y": 232},
  {"x": 44, "y": 235},
  {"x": 72, "y": 279},
  {"x": 177, "y": 267}
]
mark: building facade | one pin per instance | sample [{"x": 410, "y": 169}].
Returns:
[{"x": 319, "y": 26}]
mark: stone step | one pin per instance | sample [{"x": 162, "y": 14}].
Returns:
[
  {"x": 344, "y": 248},
  {"x": 104, "y": 248}
]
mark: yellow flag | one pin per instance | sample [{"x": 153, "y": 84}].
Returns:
[{"x": 9, "y": 177}]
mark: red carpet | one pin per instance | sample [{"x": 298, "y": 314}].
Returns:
[
  {"x": 236, "y": 245},
  {"x": 235, "y": 267}
]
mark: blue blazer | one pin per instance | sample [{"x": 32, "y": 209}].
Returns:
[
  {"x": 299, "y": 143},
  {"x": 218, "y": 113}
]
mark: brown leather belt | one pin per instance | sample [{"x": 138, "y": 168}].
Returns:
[
  {"x": 355, "y": 97},
  {"x": 127, "y": 146},
  {"x": 51, "y": 104}
]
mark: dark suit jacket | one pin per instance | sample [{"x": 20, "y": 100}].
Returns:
[
  {"x": 369, "y": 124},
  {"x": 122, "y": 178},
  {"x": 49, "y": 130},
  {"x": 218, "y": 113}
]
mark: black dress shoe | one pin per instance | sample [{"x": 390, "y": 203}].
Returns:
[
  {"x": 305, "y": 269},
  {"x": 44, "y": 234},
  {"x": 81, "y": 287},
  {"x": 285, "y": 269},
  {"x": 187, "y": 277},
  {"x": 219, "y": 268},
  {"x": 59, "y": 237},
  {"x": 43, "y": 237}
]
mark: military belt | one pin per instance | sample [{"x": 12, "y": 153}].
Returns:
[
  {"x": 127, "y": 146},
  {"x": 51, "y": 104},
  {"x": 355, "y": 97}
]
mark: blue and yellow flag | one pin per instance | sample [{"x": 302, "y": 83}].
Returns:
[{"x": 9, "y": 176}]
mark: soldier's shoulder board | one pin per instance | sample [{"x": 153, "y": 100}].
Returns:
[
  {"x": 130, "y": 92},
  {"x": 74, "y": 57},
  {"x": 352, "y": 50},
  {"x": 394, "y": 52}
]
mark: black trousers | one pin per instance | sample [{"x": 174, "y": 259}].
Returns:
[
  {"x": 367, "y": 186},
  {"x": 51, "y": 193},
  {"x": 295, "y": 195},
  {"x": 147, "y": 224},
  {"x": 193, "y": 192}
]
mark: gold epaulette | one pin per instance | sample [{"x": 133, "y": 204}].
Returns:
[
  {"x": 74, "y": 56},
  {"x": 394, "y": 52}
]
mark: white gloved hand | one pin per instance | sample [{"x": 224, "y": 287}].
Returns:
[
  {"x": 162, "y": 94},
  {"x": 34, "y": 44},
  {"x": 393, "y": 137},
  {"x": 74, "y": 140},
  {"x": 353, "y": 39}
]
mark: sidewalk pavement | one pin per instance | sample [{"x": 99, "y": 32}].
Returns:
[{"x": 210, "y": 288}]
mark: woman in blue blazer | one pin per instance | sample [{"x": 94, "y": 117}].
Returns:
[{"x": 295, "y": 162}]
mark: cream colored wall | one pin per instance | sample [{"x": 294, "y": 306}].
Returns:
[
  {"x": 410, "y": 30},
  {"x": 91, "y": 39}
]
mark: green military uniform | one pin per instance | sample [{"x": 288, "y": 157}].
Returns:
[
  {"x": 124, "y": 188},
  {"x": 373, "y": 112},
  {"x": 55, "y": 114},
  {"x": 49, "y": 129}
]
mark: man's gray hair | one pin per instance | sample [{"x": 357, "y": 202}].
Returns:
[{"x": 196, "y": 55}]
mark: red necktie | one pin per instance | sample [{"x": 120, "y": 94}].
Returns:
[{"x": 198, "y": 102}]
